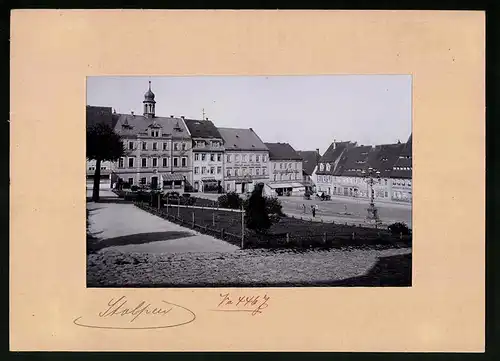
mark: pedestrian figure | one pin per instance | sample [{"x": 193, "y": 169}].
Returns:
[
  {"x": 304, "y": 206},
  {"x": 313, "y": 210},
  {"x": 345, "y": 208}
]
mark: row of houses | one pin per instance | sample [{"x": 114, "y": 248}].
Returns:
[{"x": 190, "y": 154}]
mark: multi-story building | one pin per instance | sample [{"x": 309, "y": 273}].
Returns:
[
  {"x": 208, "y": 156},
  {"x": 158, "y": 149},
  {"x": 344, "y": 167},
  {"x": 245, "y": 161},
  {"x": 401, "y": 175},
  {"x": 310, "y": 159},
  {"x": 285, "y": 170}
]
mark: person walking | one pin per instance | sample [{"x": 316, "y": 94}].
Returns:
[
  {"x": 313, "y": 210},
  {"x": 304, "y": 206}
]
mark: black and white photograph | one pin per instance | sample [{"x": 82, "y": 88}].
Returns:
[{"x": 249, "y": 181}]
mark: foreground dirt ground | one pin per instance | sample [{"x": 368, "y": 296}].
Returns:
[{"x": 247, "y": 268}]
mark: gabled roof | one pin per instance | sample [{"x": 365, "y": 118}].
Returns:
[
  {"x": 128, "y": 125},
  {"x": 353, "y": 161},
  {"x": 202, "y": 129},
  {"x": 383, "y": 157},
  {"x": 241, "y": 139},
  {"x": 282, "y": 151},
  {"x": 310, "y": 159},
  {"x": 332, "y": 155},
  {"x": 403, "y": 165},
  {"x": 99, "y": 115}
]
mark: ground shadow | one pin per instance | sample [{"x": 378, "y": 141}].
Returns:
[{"x": 95, "y": 245}]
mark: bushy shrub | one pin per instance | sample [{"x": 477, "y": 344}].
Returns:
[
  {"x": 230, "y": 200},
  {"x": 273, "y": 206},
  {"x": 257, "y": 212},
  {"x": 398, "y": 228},
  {"x": 134, "y": 188}
]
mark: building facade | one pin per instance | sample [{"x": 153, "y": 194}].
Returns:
[
  {"x": 208, "y": 156},
  {"x": 401, "y": 176},
  {"x": 285, "y": 170},
  {"x": 310, "y": 160},
  {"x": 158, "y": 149},
  {"x": 245, "y": 161}
]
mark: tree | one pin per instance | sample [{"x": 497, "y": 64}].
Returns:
[
  {"x": 256, "y": 211},
  {"x": 103, "y": 144}
]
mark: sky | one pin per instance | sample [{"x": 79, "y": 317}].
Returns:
[{"x": 309, "y": 112}]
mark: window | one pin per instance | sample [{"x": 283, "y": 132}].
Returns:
[
  {"x": 212, "y": 157},
  {"x": 275, "y": 177},
  {"x": 143, "y": 180},
  {"x": 228, "y": 172},
  {"x": 321, "y": 166},
  {"x": 165, "y": 162},
  {"x": 328, "y": 167},
  {"x": 236, "y": 172},
  {"x": 183, "y": 146},
  {"x": 293, "y": 176},
  {"x": 228, "y": 158},
  {"x": 281, "y": 165},
  {"x": 263, "y": 171},
  {"x": 103, "y": 168},
  {"x": 196, "y": 156},
  {"x": 219, "y": 170},
  {"x": 203, "y": 156},
  {"x": 244, "y": 157},
  {"x": 219, "y": 156},
  {"x": 131, "y": 181},
  {"x": 264, "y": 158},
  {"x": 386, "y": 194},
  {"x": 131, "y": 162},
  {"x": 237, "y": 158},
  {"x": 409, "y": 183},
  {"x": 144, "y": 162},
  {"x": 155, "y": 162},
  {"x": 296, "y": 165},
  {"x": 251, "y": 171},
  {"x": 176, "y": 162},
  {"x": 165, "y": 146},
  {"x": 130, "y": 145},
  {"x": 290, "y": 165},
  {"x": 176, "y": 146},
  {"x": 212, "y": 170},
  {"x": 257, "y": 171},
  {"x": 203, "y": 170},
  {"x": 257, "y": 158},
  {"x": 120, "y": 163},
  {"x": 155, "y": 146},
  {"x": 274, "y": 165},
  {"x": 196, "y": 170},
  {"x": 228, "y": 187},
  {"x": 385, "y": 181},
  {"x": 91, "y": 168},
  {"x": 250, "y": 158},
  {"x": 215, "y": 144},
  {"x": 144, "y": 146},
  {"x": 184, "y": 162}
]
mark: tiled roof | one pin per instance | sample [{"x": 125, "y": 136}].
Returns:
[
  {"x": 241, "y": 139},
  {"x": 310, "y": 159},
  {"x": 383, "y": 157},
  {"x": 282, "y": 151},
  {"x": 202, "y": 128},
  {"x": 129, "y": 125},
  {"x": 99, "y": 115},
  {"x": 333, "y": 155},
  {"x": 403, "y": 166},
  {"x": 353, "y": 161}
]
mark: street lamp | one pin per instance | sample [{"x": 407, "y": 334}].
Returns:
[{"x": 370, "y": 177}]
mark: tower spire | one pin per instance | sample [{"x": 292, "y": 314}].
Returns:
[{"x": 149, "y": 103}]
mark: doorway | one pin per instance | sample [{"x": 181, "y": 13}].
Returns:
[{"x": 154, "y": 182}]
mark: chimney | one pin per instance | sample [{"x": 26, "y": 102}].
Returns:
[
  {"x": 317, "y": 150},
  {"x": 206, "y": 118},
  {"x": 132, "y": 112},
  {"x": 182, "y": 116},
  {"x": 171, "y": 116}
]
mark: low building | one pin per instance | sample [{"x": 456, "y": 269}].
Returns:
[
  {"x": 401, "y": 175},
  {"x": 208, "y": 155},
  {"x": 285, "y": 170},
  {"x": 245, "y": 161},
  {"x": 106, "y": 175},
  {"x": 310, "y": 160}
]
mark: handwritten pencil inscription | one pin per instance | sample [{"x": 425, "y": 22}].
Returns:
[
  {"x": 120, "y": 313},
  {"x": 254, "y": 304}
]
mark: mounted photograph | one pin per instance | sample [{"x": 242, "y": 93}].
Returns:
[{"x": 249, "y": 181}]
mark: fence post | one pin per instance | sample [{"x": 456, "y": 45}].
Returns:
[
  {"x": 167, "y": 205},
  {"x": 193, "y": 219},
  {"x": 242, "y": 228},
  {"x": 178, "y": 206},
  {"x": 324, "y": 238},
  {"x": 353, "y": 236},
  {"x": 213, "y": 219},
  {"x": 287, "y": 238},
  {"x": 222, "y": 233},
  {"x": 159, "y": 201}
]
